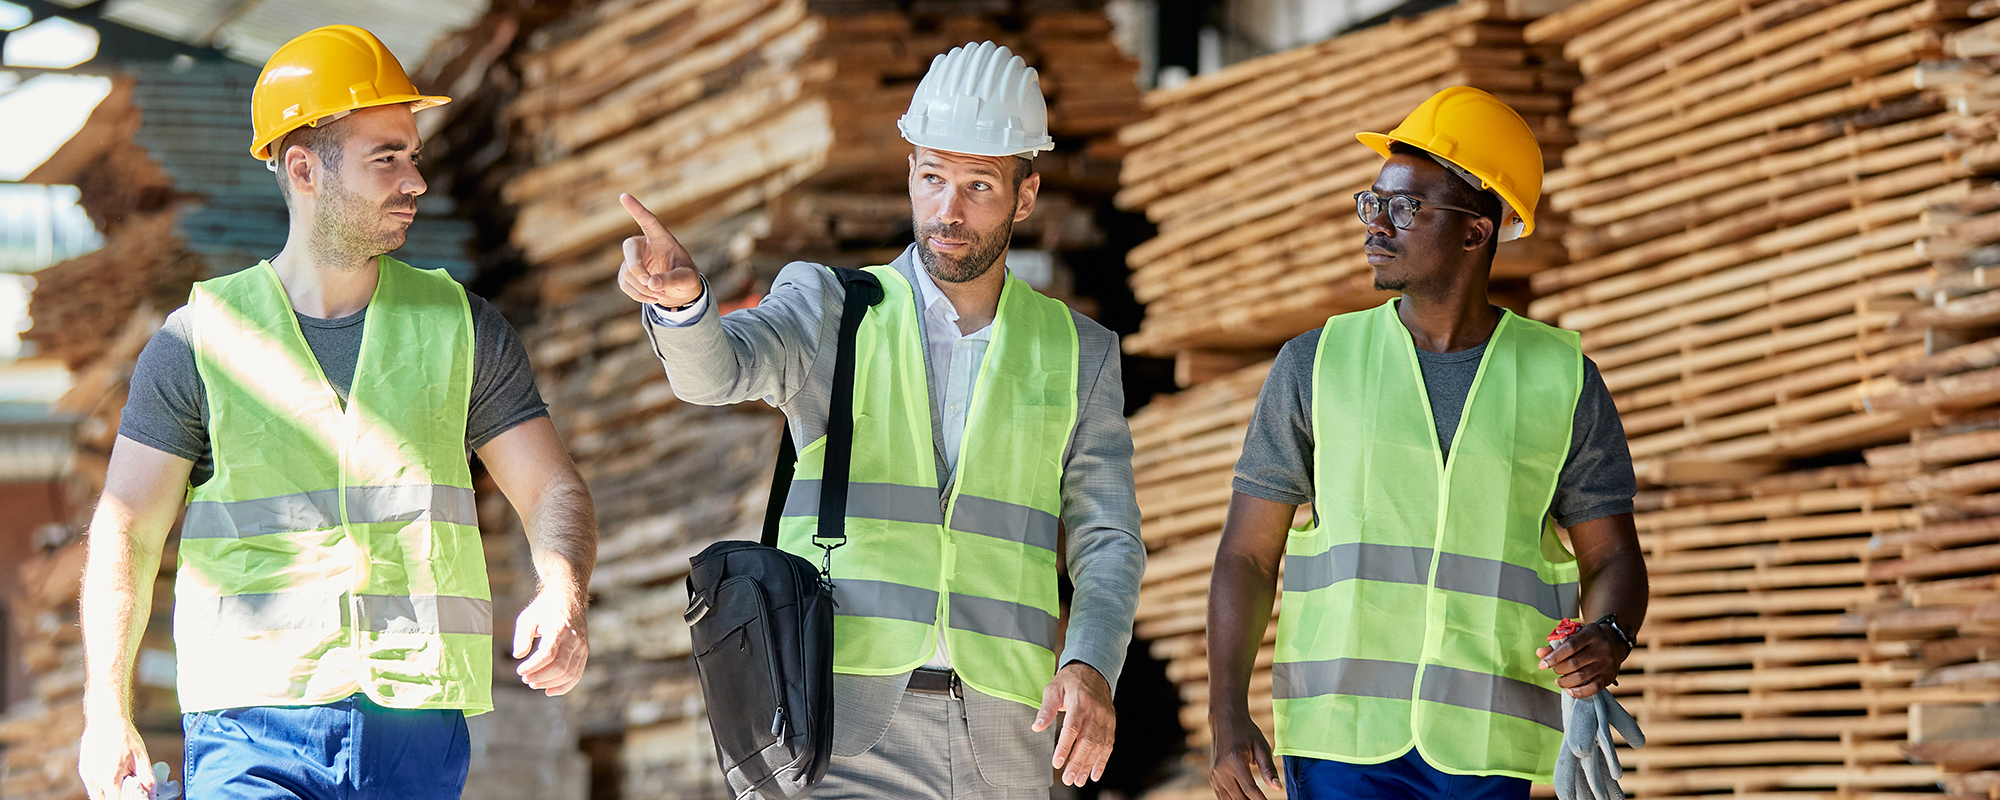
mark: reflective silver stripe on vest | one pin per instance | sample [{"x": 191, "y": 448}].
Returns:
[
  {"x": 1457, "y": 573},
  {"x": 1492, "y": 693},
  {"x": 244, "y": 614},
  {"x": 1001, "y": 520},
  {"x": 886, "y": 501},
  {"x": 383, "y": 613},
  {"x": 1358, "y": 560},
  {"x": 854, "y": 598},
  {"x": 1490, "y": 578},
  {"x": 320, "y": 510},
  {"x": 1001, "y": 619},
  {"x": 1295, "y": 680}
]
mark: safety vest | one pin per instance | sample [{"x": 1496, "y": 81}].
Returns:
[
  {"x": 977, "y": 560},
  {"x": 336, "y": 550},
  {"x": 1413, "y": 605}
]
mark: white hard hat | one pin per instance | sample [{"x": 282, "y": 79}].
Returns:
[{"x": 979, "y": 100}]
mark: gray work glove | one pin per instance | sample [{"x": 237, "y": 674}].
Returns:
[
  {"x": 163, "y": 789},
  {"x": 1587, "y": 767}
]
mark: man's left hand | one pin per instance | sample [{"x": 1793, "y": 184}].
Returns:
[
  {"x": 1089, "y": 724},
  {"x": 1587, "y": 661},
  {"x": 553, "y": 627}
]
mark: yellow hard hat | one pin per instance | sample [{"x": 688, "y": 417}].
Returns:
[
  {"x": 1476, "y": 133},
  {"x": 323, "y": 75}
]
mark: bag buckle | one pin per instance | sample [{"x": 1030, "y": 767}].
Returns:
[{"x": 826, "y": 557}]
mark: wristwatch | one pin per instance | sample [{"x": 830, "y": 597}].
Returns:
[{"x": 1611, "y": 621}]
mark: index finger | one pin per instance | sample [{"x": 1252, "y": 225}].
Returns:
[{"x": 648, "y": 224}]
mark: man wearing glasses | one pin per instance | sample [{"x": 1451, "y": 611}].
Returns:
[{"x": 1440, "y": 441}]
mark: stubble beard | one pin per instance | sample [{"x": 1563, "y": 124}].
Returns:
[
  {"x": 352, "y": 230},
  {"x": 981, "y": 256}
]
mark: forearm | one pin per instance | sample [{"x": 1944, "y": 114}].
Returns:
[
  {"x": 1617, "y": 587},
  {"x": 1241, "y": 591},
  {"x": 763, "y": 352},
  {"x": 1613, "y": 571},
  {"x": 1105, "y": 569},
  {"x": 562, "y": 536},
  {"x": 118, "y": 575}
]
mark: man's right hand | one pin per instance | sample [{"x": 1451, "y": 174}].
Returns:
[
  {"x": 657, "y": 269},
  {"x": 1240, "y": 765},
  {"x": 111, "y": 750}
]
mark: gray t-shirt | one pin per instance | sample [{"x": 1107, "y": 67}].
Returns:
[
  {"x": 168, "y": 408},
  {"x": 1276, "y": 465}
]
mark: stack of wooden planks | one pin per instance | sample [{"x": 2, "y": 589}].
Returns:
[
  {"x": 1764, "y": 197},
  {"x": 761, "y": 132},
  {"x": 1749, "y": 207},
  {"x": 1250, "y": 173}
]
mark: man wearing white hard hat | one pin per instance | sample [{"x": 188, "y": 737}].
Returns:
[{"x": 985, "y": 415}]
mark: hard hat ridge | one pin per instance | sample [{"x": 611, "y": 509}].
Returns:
[{"x": 979, "y": 99}]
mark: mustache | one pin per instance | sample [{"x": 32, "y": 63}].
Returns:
[
  {"x": 957, "y": 233},
  {"x": 401, "y": 205},
  {"x": 1381, "y": 243}
]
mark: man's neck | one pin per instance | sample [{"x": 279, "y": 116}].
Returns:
[
  {"x": 1459, "y": 319},
  {"x": 977, "y": 301},
  {"x": 322, "y": 284}
]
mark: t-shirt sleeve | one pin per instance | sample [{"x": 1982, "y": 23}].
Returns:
[
  {"x": 1276, "y": 464},
  {"x": 503, "y": 382},
  {"x": 1597, "y": 481},
  {"x": 166, "y": 408}
]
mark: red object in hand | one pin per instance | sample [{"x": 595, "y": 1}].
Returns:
[{"x": 1563, "y": 631}]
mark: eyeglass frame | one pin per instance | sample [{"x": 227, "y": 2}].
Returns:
[{"x": 1416, "y": 204}]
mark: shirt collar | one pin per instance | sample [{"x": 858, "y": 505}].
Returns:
[{"x": 933, "y": 298}]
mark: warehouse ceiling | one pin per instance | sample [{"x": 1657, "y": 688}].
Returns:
[{"x": 250, "y": 30}]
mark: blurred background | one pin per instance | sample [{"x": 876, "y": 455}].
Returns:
[{"x": 1770, "y": 219}]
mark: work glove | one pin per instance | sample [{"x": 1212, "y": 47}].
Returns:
[
  {"x": 163, "y": 789},
  {"x": 1587, "y": 767}
]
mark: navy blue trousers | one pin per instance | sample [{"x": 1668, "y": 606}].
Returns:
[
  {"x": 351, "y": 749},
  {"x": 1405, "y": 778}
]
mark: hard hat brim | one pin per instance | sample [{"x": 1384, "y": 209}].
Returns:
[
  {"x": 1380, "y": 143},
  {"x": 261, "y": 149}
]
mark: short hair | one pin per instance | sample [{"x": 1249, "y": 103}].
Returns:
[
  {"x": 1023, "y": 167},
  {"x": 1458, "y": 192},
  {"x": 322, "y": 140}
]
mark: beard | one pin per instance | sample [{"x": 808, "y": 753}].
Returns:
[
  {"x": 347, "y": 224},
  {"x": 979, "y": 256}
]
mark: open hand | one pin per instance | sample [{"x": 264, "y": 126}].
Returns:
[
  {"x": 657, "y": 269},
  {"x": 1089, "y": 724}
]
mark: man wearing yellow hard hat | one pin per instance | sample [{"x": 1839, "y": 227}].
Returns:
[
  {"x": 313, "y": 414},
  {"x": 1440, "y": 440}
]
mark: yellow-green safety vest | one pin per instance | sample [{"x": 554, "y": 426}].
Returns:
[
  {"x": 336, "y": 549},
  {"x": 1413, "y": 606},
  {"x": 977, "y": 560}
]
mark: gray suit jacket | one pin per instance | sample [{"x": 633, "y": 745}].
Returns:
[{"x": 782, "y": 352}]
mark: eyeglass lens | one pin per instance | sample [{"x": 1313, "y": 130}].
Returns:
[{"x": 1402, "y": 212}]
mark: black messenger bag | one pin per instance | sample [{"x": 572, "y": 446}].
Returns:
[{"x": 762, "y": 618}]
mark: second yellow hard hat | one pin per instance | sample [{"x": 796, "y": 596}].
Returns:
[
  {"x": 322, "y": 74},
  {"x": 1482, "y": 136}
]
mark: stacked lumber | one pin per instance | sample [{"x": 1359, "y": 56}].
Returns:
[
  {"x": 706, "y": 108},
  {"x": 1748, "y": 206},
  {"x": 1250, "y": 173},
  {"x": 1764, "y": 197},
  {"x": 761, "y": 132}
]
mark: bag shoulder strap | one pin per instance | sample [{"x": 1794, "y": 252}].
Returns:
[{"x": 861, "y": 290}]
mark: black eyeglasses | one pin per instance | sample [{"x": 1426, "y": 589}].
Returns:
[{"x": 1402, "y": 208}]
